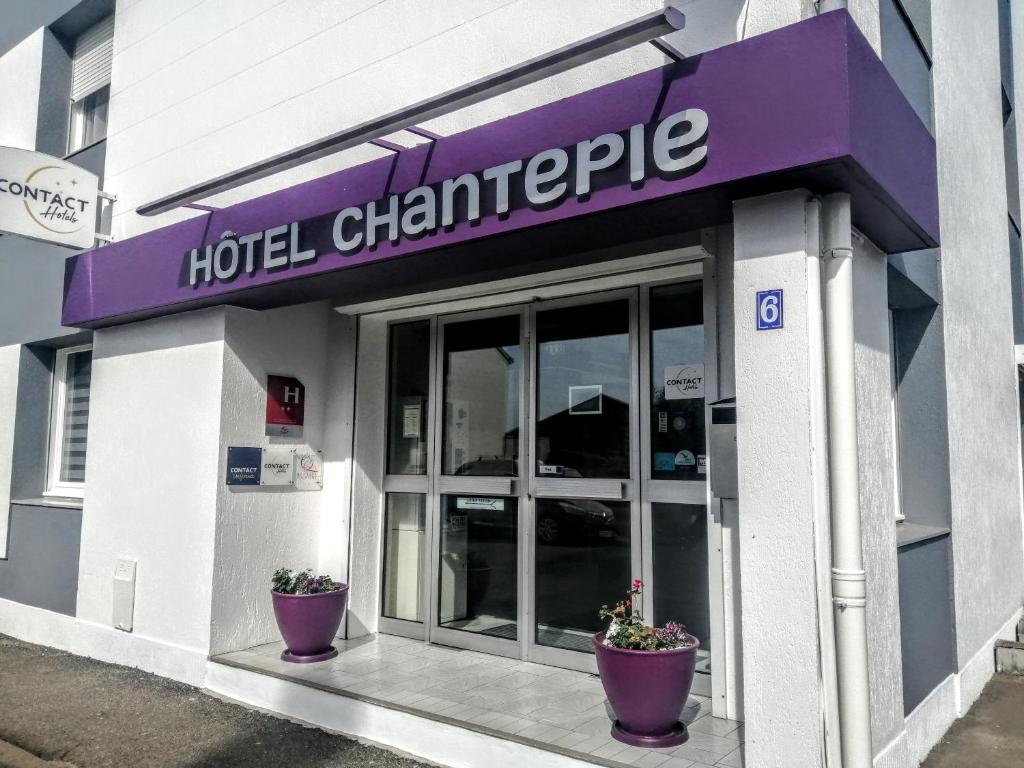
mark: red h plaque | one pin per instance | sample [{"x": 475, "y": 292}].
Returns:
[{"x": 286, "y": 404}]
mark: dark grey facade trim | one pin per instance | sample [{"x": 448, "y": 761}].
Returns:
[
  {"x": 927, "y": 624},
  {"x": 43, "y": 547}
]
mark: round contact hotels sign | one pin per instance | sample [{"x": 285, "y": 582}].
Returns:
[{"x": 45, "y": 198}]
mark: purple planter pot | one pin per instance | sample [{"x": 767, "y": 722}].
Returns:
[
  {"x": 647, "y": 691},
  {"x": 309, "y": 623}
]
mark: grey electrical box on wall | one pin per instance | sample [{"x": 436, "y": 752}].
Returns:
[
  {"x": 724, "y": 477},
  {"x": 124, "y": 594}
]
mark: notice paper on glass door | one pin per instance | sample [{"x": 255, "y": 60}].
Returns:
[{"x": 411, "y": 421}]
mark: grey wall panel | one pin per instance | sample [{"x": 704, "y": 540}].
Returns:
[
  {"x": 923, "y": 428},
  {"x": 92, "y": 158},
  {"x": 926, "y": 618},
  {"x": 22, "y": 19},
  {"x": 31, "y": 423},
  {"x": 41, "y": 568},
  {"x": 54, "y": 95},
  {"x": 914, "y": 279},
  {"x": 32, "y": 289}
]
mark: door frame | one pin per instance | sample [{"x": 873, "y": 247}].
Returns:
[
  {"x": 584, "y": 488},
  {"x": 369, "y": 487},
  {"x": 436, "y": 633}
]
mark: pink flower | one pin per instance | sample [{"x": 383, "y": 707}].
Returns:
[{"x": 637, "y": 584}]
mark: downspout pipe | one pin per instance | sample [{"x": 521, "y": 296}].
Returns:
[
  {"x": 849, "y": 593},
  {"x": 831, "y": 5}
]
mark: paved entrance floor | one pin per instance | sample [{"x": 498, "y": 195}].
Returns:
[
  {"x": 991, "y": 734},
  {"x": 554, "y": 709}
]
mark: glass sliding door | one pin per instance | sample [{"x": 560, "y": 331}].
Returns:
[
  {"x": 406, "y": 480},
  {"x": 539, "y": 458},
  {"x": 584, "y": 391},
  {"x": 583, "y": 479},
  {"x": 478, "y": 565},
  {"x": 588, "y": 564},
  {"x": 675, "y": 502},
  {"x": 480, "y": 378},
  {"x": 404, "y": 530}
]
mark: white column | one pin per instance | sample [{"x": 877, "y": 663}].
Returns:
[
  {"x": 152, "y": 475},
  {"x": 782, "y": 485},
  {"x": 338, "y": 433}
]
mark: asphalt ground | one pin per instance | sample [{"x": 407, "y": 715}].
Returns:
[
  {"x": 73, "y": 710},
  {"x": 990, "y": 735}
]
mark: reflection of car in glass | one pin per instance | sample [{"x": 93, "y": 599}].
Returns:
[
  {"x": 566, "y": 520},
  {"x": 560, "y": 521}
]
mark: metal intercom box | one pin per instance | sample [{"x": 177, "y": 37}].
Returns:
[
  {"x": 124, "y": 595},
  {"x": 723, "y": 475}
]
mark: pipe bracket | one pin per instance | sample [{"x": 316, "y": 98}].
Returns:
[{"x": 842, "y": 252}]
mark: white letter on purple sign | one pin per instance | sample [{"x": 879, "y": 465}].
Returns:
[
  {"x": 342, "y": 243},
  {"x": 296, "y": 255},
  {"x": 421, "y": 204},
  {"x": 389, "y": 219},
  {"x": 248, "y": 242},
  {"x": 586, "y": 164},
  {"x": 664, "y": 143},
  {"x": 448, "y": 191},
  {"x": 272, "y": 245},
  {"x": 499, "y": 174},
  {"x": 559, "y": 161},
  {"x": 225, "y": 272},
  {"x": 196, "y": 264}
]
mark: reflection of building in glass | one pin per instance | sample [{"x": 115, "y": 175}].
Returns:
[
  {"x": 591, "y": 445},
  {"x": 481, "y": 405}
]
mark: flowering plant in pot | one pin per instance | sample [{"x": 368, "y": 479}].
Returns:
[
  {"x": 646, "y": 673},
  {"x": 309, "y": 610}
]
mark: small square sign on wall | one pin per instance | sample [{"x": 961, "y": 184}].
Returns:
[
  {"x": 286, "y": 405},
  {"x": 244, "y": 466},
  {"x": 769, "y": 309}
]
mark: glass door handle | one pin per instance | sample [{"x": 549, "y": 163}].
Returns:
[
  {"x": 550, "y": 487},
  {"x": 478, "y": 486}
]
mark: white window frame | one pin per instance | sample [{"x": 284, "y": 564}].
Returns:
[
  {"x": 54, "y": 485},
  {"x": 78, "y": 119}
]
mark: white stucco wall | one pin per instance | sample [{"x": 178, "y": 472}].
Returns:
[
  {"x": 367, "y": 493},
  {"x": 782, "y": 480},
  {"x": 980, "y": 373},
  {"x": 19, "y": 92},
  {"x": 262, "y": 529},
  {"x": 877, "y": 498},
  {"x": 201, "y": 90},
  {"x": 339, "y": 419},
  {"x": 154, "y": 418}
]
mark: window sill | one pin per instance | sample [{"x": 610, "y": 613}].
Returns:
[
  {"x": 62, "y": 502},
  {"x": 914, "y": 533},
  {"x": 70, "y": 155}
]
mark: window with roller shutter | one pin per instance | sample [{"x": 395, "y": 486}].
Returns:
[{"x": 90, "y": 84}]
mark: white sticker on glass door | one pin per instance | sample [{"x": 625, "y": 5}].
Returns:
[{"x": 684, "y": 382}]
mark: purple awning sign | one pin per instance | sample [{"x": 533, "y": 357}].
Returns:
[{"x": 809, "y": 105}]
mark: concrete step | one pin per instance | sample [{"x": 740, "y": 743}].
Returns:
[{"x": 1010, "y": 657}]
